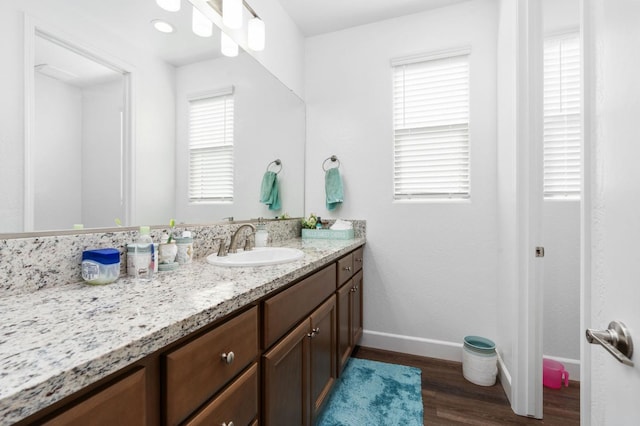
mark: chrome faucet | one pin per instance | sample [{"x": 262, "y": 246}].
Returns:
[{"x": 233, "y": 245}]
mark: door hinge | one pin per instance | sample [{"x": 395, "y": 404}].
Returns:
[{"x": 539, "y": 251}]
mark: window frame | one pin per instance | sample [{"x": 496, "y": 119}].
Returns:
[{"x": 464, "y": 159}]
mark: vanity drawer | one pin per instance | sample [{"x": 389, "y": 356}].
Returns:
[
  {"x": 123, "y": 402},
  {"x": 197, "y": 370},
  {"x": 286, "y": 309},
  {"x": 358, "y": 258},
  {"x": 237, "y": 405},
  {"x": 345, "y": 269}
]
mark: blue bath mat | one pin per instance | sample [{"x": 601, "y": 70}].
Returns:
[{"x": 374, "y": 393}]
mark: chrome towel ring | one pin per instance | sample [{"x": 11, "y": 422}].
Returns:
[
  {"x": 276, "y": 163},
  {"x": 333, "y": 159}
]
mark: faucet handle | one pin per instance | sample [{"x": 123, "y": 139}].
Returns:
[
  {"x": 222, "y": 248},
  {"x": 250, "y": 241}
]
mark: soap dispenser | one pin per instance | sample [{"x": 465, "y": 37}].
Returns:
[{"x": 262, "y": 236}]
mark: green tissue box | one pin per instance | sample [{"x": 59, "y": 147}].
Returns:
[{"x": 328, "y": 234}]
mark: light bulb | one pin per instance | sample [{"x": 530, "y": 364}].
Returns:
[
  {"x": 169, "y": 5},
  {"x": 232, "y": 13},
  {"x": 228, "y": 47},
  {"x": 200, "y": 24},
  {"x": 162, "y": 26},
  {"x": 256, "y": 34}
]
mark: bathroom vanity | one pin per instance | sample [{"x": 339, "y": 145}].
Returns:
[{"x": 202, "y": 345}]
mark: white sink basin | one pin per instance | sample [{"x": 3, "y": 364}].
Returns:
[{"x": 257, "y": 257}]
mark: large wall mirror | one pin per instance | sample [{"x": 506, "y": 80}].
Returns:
[{"x": 95, "y": 125}]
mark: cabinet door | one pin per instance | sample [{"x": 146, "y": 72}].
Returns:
[
  {"x": 123, "y": 403},
  {"x": 345, "y": 333},
  {"x": 356, "y": 308},
  {"x": 322, "y": 353},
  {"x": 286, "y": 380}
]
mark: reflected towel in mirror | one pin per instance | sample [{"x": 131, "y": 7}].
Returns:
[{"x": 269, "y": 193}]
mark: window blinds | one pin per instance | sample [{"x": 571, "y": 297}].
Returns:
[
  {"x": 211, "y": 148},
  {"x": 562, "y": 138},
  {"x": 431, "y": 126}
]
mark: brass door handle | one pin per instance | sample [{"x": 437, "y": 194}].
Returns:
[{"x": 616, "y": 340}]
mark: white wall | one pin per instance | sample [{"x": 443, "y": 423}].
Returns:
[
  {"x": 57, "y": 154},
  {"x": 154, "y": 109},
  {"x": 431, "y": 266},
  {"x": 269, "y": 124}
]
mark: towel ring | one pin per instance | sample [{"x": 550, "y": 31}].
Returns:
[
  {"x": 277, "y": 163},
  {"x": 333, "y": 159}
]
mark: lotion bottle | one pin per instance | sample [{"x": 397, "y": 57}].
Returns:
[{"x": 262, "y": 235}]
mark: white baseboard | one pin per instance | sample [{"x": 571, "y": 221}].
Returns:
[
  {"x": 412, "y": 345},
  {"x": 571, "y": 365}
]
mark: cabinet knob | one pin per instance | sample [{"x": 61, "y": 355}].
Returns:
[
  {"x": 313, "y": 333},
  {"x": 359, "y": 260},
  {"x": 227, "y": 424},
  {"x": 354, "y": 289},
  {"x": 228, "y": 358},
  {"x": 347, "y": 268}
]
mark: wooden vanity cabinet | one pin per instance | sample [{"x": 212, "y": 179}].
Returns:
[
  {"x": 350, "y": 324},
  {"x": 273, "y": 363},
  {"x": 299, "y": 371}
]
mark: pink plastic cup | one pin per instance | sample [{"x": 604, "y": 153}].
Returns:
[{"x": 553, "y": 374}]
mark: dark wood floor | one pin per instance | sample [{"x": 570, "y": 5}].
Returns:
[{"x": 449, "y": 399}]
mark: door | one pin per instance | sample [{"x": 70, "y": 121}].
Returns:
[
  {"x": 611, "y": 243},
  {"x": 322, "y": 353},
  {"x": 286, "y": 379}
]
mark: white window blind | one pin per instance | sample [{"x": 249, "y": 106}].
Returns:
[
  {"x": 562, "y": 138},
  {"x": 211, "y": 147},
  {"x": 431, "y": 126}
]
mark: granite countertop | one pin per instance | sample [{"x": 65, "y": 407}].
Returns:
[{"x": 56, "y": 341}]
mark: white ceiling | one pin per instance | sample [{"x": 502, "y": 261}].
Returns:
[{"x": 315, "y": 17}]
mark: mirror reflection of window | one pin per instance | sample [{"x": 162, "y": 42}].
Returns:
[
  {"x": 211, "y": 147},
  {"x": 77, "y": 147}
]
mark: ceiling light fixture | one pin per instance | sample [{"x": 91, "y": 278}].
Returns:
[
  {"x": 169, "y": 5},
  {"x": 256, "y": 34},
  {"x": 162, "y": 26},
  {"x": 200, "y": 24},
  {"x": 228, "y": 47},
  {"x": 232, "y": 13}
]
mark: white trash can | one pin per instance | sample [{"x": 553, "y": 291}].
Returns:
[{"x": 479, "y": 360}]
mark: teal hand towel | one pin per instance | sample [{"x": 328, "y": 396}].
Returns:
[
  {"x": 269, "y": 193},
  {"x": 333, "y": 188}
]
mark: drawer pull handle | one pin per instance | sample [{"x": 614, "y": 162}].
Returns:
[
  {"x": 227, "y": 424},
  {"x": 228, "y": 358},
  {"x": 359, "y": 260},
  {"x": 314, "y": 332},
  {"x": 347, "y": 268},
  {"x": 354, "y": 289}
]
